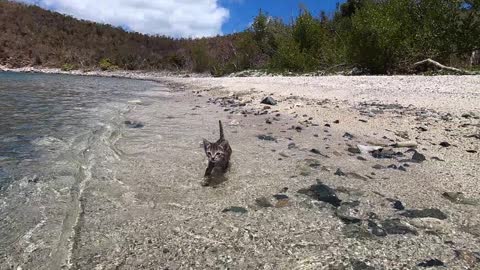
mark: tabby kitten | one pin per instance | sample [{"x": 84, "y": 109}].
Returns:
[{"x": 218, "y": 153}]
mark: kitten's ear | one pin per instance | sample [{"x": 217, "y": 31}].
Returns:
[
  {"x": 205, "y": 144},
  {"x": 223, "y": 144}
]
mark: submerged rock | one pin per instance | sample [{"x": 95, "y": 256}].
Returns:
[
  {"x": 396, "y": 226},
  {"x": 266, "y": 138},
  {"x": 431, "y": 263},
  {"x": 424, "y": 213},
  {"x": 321, "y": 192},
  {"x": 459, "y": 198},
  {"x": 133, "y": 124},
  {"x": 235, "y": 209}
]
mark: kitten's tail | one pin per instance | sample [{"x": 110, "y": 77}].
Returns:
[{"x": 221, "y": 130}]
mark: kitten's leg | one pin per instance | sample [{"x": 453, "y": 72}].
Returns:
[{"x": 209, "y": 169}]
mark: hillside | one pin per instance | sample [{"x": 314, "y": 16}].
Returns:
[{"x": 38, "y": 37}]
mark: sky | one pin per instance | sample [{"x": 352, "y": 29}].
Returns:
[{"x": 181, "y": 18}]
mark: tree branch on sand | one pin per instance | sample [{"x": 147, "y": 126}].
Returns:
[{"x": 432, "y": 63}]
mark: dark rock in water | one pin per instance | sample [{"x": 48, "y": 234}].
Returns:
[
  {"x": 375, "y": 229},
  {"x": 354, "y": 150},
  {"x": 268, "y": 121},
  {"x": 133, "y": 124},
  {"x": 361, "y": 158},
  {"x": 336, "y": 122},
  {"x": 263, "y": 202},
  {"x": 327, "y": 125},
  {"x": 424, "y": 213},
  {"x": 385, "y": 153},
  {"x": 359, "y": 265},
  {"x": 235, "y": 209},
  {"x": 472, "y": 151},
  {"x": 378, "y": 167},
  {"x": 317, "y": 152},
  {"x": 401, "y": 168},
  {"x": 266, "y": 138},
  {"x": 291, "y": 145},
  {"x": 393, "y": 166},
  {"x": 397, "y": 204},
  {"x": 459, "y": 198},
  {"x": 280, "y": 196},
  {"x": 445, "y": 144},
  {"x": 339, "y": 172},
  {"x": 269, "y": 101},
  {"x": 349, "y": 212},
  {"x": 348, "y": 136},
  {"x": 431, "y": 263},
  {"x": 322, "y": 193},
  {"x": 298, "y": 128},
  {"x": 396, "y": 226}
]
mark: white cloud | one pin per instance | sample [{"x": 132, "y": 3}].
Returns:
[{"x": 178, "y": 18}]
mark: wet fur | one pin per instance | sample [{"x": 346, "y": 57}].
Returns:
[{"x": 218, "y": 153}]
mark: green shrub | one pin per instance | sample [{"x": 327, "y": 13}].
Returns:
[
  {"x": 106, "y": 64},
  {"x": 68, "y": 67}
]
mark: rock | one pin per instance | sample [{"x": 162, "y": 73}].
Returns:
[
  {"x": 353, "y": 150},
  {"x": 437, "y": 159},
  {"x": 375, "y": 229},
  {"x": 336, "y": 122},
  {"x": 356, "y": 176},
  {"x": 401, "y": 168},
  {"x": 432, "y": 225},
  {"x": 417, "y": 157},
  {"x": 263, "y": 202},
  {"x": 135, "y": 102},
  {"x": 361, "y": 158},
  {"x": 385, "y": 154},
  {"x": 476, "y": 136},
  {"x": 409, "y": 144},
  {"x": 298, "y": 128},
  {"x": 269, "y": 101},
  {"x": 378, "y": 167},
  {"x": 396, "y": 226},
  {"x": 348, "y": 136},
  {"x": 339, "y": 172},
  {"x": 431, "y": 263},
  {"x": 398, "y": 205},
  {"x": 291, "y": 145},
  {"x": 321, "y": 192},
  {"x": 459, "y": 198},
  {"x": 472, "y": 151},
  {"x": 359, "y": 265},
  {"x": 424, "y": 213},
  {"x": 327, "y": 125},
  {"x": 445, "y": 144},
  {"x": 266, "y": 138},
  {"x": 349, "y": 212},
  {"x": 313, "y": 163},
  {"x": 282, "y": 203},
  {"x": 392, "y": 166},
  {"x": 280, "y": 196},
  {"x": 317, "y": 152},
  {"x": 133, "y": 124},
  {"x": 268, "y": 121},
  {"x": 235, "y": 209}
]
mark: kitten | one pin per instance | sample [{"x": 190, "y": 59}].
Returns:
[{"x": 218, "y": 153}]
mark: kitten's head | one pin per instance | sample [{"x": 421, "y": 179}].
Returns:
[{"x": 215, "y": 151}]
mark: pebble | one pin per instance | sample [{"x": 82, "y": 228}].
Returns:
[
  {"x": 133, "y": 124},
  {"x": 445, "y": 144},
  {"x": 266, "y": 138},
  {"x": 396, "y": 226},
  {"x": 263, "y": 202},
  {"x": 459, "y": 198},
  {"x": 349, "y": 212},
  {"x": 339, "y": 172}
]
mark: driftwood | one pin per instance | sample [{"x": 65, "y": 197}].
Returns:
[{"x": 430, "y": 62}]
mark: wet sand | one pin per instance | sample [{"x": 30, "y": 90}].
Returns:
[{"x": 144, "y": 206}]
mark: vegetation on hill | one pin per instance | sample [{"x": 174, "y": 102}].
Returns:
[{"x": 378, "y": 36}]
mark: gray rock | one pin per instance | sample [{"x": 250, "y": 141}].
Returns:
[
  {"x": 133, "y": 124},
  {"x": 445, "y": 144},
  {"x": 339, "y": 172},
  {"x": 350, "y": 212},
  {"x": 269, "y": 101},
  {"x": 263, "y": 202},
  {"x": 424, "y": 213},
  {"x": 235, "y": 209},
  {"x": 396, "y": 226},
  {"x": 323, "y": 193},
  {"x": 266, "y": 138},
  {"x": 359, "y": 265},
  {"x": 431, "y": 263},
  {"x": 376, "y": 229},
  {"x": 459, "y": 198}
]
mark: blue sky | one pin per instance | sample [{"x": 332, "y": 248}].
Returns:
[
  {"x": 242, "y": 12},
  {"x": 181, "y": 18}
]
